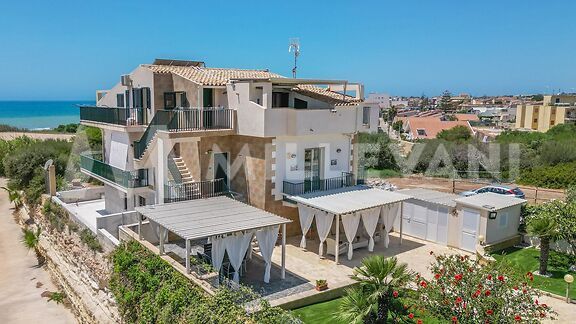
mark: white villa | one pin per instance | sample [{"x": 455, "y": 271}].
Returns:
[{"x": 221, "y": 165}]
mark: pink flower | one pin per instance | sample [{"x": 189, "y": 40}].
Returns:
[
  {"x": 501, "y": 278},
  {"x": 458, "y": 300},
  {"x": 419, "y": 321},
  {"x": 487, "y": 293},
  {"x": 411, "y": 316},
  {"x": 454, "y": 319},
  {"x": 489, "y": 277},
  {"x": 423, "y": 284},
  {"x": 489, "y": 312},
  {"x": 395, "y": 294},
  {"x": 458, "y": 277},
  {"x": 517, "y": 318},
  {"x": 437, "y": 276}
]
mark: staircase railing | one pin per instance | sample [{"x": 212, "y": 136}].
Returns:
[{"x": 184, "y": 120}]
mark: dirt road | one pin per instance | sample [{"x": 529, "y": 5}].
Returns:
[
  {"x": 21, "y": 281},
  {"x": 42, "y": 136}
]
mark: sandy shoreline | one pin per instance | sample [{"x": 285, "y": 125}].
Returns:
[{"x": 41, "y": 136}]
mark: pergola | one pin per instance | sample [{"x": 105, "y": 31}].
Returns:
[
  {"x": 229, "y": 224},
  {"x": 349, "y": 205}
]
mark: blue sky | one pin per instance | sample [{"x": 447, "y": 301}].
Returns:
[{"x": 68, "y": 49}]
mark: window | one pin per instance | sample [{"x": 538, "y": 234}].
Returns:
[
  {"x": 421, "y": 132},
  {"x": 146, "y": 100},
  {"x": 125, "y": 202},
  {"x": 557, "y": 100},
  {"x": 120, "y": 100},
  {"x": 366, "y": 115},
  {"x": 175, "y": 99},
  {"x": 280, "y": 99},
  {"x": 300, "y": 104},
  {"x": 137, "y": 97}
]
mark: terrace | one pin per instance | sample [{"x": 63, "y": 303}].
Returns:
[{"x": 292, "y": 188}]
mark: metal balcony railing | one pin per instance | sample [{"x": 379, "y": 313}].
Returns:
[
  {"x": 92, "y": 163},
  {"x": 174, "y": 192},
  {"x": 184, "y": 120},
  {"x": 116, "y": 116},
  {"x": 293, "y": 188}
]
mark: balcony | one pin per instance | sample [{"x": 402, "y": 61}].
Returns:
[
  {"x": 295, "y": 188},
  {"x": 174, "y": 192},
  {"x": 92, "y": 164},
  {"x": 184, "y": 120},
  {"x": 114, "y": 116}
]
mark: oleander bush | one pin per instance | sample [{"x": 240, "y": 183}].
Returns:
[
  {"x": 149, "y": 290},
  {"x": 464, "y": 291}
]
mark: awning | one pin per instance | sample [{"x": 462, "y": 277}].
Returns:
[
  {"x": 201, "y": 218},
  {"x": 350, "y": 199}
]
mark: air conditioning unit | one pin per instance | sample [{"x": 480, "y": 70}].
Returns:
[{"x": 126, "y": 80}]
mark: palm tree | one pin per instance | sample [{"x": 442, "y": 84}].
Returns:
[
  {"x": 373, "y": 300},
  {"x": 31, "y": 241},
  {"x": 546, "y": 230},
  {"x": 14, "y": 196}
]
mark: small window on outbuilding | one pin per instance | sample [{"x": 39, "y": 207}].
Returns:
[{"x": 421, "y": 132}]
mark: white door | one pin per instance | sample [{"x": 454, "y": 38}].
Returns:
[
  {"x": 415, "y": 219},
  {"x": 470, "y": 224},
  {"x": 442, "y": 234}
]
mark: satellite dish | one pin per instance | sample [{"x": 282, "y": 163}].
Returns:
[{"x": 48, "y": 164}]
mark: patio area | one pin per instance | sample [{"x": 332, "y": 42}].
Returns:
[
  {"x": 87, "y": 211},
  {"x": 308, "y": 265}
]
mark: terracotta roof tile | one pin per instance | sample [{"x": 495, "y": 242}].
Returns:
[
  {"x": 431, "y": 126},
  {"x": 220, "y": 76}
]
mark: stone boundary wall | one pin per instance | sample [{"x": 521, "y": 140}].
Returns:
[{"x": 79, "y": 272}]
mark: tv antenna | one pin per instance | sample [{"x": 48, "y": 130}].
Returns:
[{"x": 294, "y": 47}]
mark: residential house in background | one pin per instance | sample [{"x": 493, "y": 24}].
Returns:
[
  {"x": 429, "y": 127},
  {"x": 554, "y": 110},
  {"x": 382, "y": 99},
  {"x": 179, "y": 130}
]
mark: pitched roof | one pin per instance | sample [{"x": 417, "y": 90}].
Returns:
[
  {"x": 208, "y": 76},
  {"x": 211, "y": 76},
  {"x": 467, "y": 117},
  {"x": 431, "y": 126}
]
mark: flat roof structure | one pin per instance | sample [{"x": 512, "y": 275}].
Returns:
[
  {"x": 432, "y": 196},
  {"x": 210, "y": 217},
  {"x": 490, "y": 201},
  {"x": 350, "y": 199},
  {"x": 201, "y": 218}
]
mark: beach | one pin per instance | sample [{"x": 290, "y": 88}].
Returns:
[{"x": 41, "y": 136}]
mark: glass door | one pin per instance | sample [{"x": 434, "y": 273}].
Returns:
[{"x": 312, "y": 169}]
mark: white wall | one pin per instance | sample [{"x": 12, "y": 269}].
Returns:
[
  {"x": 497, "y": 231},
  {"x": 141, "y": 77},
  {"x": 292, "y": 169}
]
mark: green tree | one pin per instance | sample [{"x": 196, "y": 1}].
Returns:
[
  {"x": 445, "y": 101},
  {"x": 380, "y": 281},
  {"x": 455, "y": 134},
  {"x": 542, "y": 224}
]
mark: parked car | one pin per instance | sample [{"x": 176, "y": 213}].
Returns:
[{"x": 499, "y": 189}]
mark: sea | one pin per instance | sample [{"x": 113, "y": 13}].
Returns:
[{"x": 40, "y": 115}]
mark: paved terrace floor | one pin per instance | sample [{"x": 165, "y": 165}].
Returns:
[
  {"x": 307, "y": 265},
  {"x": 88, "y": 211}
]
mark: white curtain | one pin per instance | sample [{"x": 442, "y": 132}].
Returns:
[
  {"x": 350, "y": 223},
  {"x": 266, "y": 241},
  {"x": 236, "y": 246},
  {"x": 306, "y": 215},
  {"x": 389, "y": 214},
  {"x": 218, "y": 249},
  {"x": 370, "y": 219},
  {"x": 323, "y": 225}
]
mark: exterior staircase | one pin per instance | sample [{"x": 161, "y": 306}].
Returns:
[{"x": 185, "y": 174}]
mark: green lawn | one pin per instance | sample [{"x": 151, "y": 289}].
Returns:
[
  {"x": 524, "y": 260},
  {"x": 322, "y": 313}
]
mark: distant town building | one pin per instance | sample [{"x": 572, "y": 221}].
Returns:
[
  {"x": 382, "y": 99},
  {"x": 429, "y": 127},
  {"x": 399, "y": 102},
  {"x": 541, "y": 116}
]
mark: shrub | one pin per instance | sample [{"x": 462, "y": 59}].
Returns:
[
  {"x": 464, "y": 291},
  {"x": 90, "y": 240},
  {"x": 455, "y": 134},
  {"x": 149, "y": 290}
]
